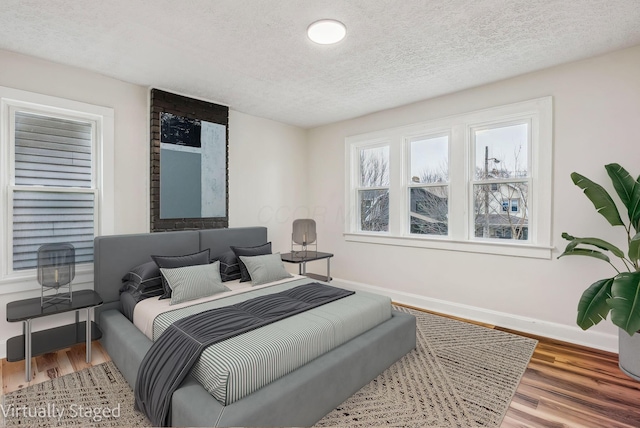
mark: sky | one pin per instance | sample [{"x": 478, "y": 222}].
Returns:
[{"x": 507, "y": 144}]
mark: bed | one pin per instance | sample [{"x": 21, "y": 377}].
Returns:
[{"x": 299, "y": 398}]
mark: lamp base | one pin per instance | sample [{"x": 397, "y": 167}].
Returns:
[{"x": 57, "y": 297}]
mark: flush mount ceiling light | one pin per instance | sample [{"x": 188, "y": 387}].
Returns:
[{"x": 326, "y": 31}]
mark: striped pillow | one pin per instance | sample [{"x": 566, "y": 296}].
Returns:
[
  {"x": 172, "y": 262},
  {"x": 193, "y": 282},
  {"x": 250, "y": 251},
  {"x": 266, "y": 268}
]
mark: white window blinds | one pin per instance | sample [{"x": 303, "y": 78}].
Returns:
[
  {"x": 52, "y": 152},
  {"x": 54, "y": 192}
]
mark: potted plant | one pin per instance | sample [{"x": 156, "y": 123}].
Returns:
[{"x": 619, "y": 294}]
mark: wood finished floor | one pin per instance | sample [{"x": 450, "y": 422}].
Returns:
[
  {"x": 51, "y": 365},
  {"x": 565, "y": 385}
]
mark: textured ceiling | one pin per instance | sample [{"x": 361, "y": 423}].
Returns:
[{"x": 254, "y": 56}]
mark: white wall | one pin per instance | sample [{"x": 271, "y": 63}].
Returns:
[
  {"x": 596, "y": 112},
  {"x": 267, "y": 176},
  {"x": 267, "y": 170}
]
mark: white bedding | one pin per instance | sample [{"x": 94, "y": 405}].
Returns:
[{"x": 146, "y": 311}]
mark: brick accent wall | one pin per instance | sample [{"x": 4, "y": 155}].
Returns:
[{"x": 162, "y": 101}]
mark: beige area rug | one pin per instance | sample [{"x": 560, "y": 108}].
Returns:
[
  {"x": 95, "y": 397},
  {"x": 460, "y": 375}
]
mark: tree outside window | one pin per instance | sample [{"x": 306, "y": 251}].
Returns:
[{"x": 373, "y": 192}]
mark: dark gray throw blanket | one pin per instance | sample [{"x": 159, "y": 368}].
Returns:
[{"x": 172, "y": 356}]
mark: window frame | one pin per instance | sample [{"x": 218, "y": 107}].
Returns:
[
  {"x": 358, "y": 187},
  {"x": 539, "y": 113},
  {"x": 493, "y": 124},
  {"x": 12, "y": 100}
]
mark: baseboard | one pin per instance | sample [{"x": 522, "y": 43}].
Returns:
[
  {"x": 592, "y": 339},
  {"x": 3, "y": 349}
]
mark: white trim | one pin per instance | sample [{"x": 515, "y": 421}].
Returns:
[
  {"x": 528, "y": 119},
  {"x": 497, "y": 247},
  {"x": 592, "y": 339},
  {"x": 106, "y": 174},
  {"x": 147, "y": 165}
]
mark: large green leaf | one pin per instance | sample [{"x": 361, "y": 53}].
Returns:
[
  {"x": 596, "y": 242},
  {"x": 625, "y": 301},
  {"x": 593, "y": 306},
  {"x": 634, "y": 248},
  {"x": 587, "y": 253},
  {"x": 629, "y": 191},
  {"x": 599, "y": 197},
  {"x": 622, "y": 181},
  {"x": 634, "y": 207}
]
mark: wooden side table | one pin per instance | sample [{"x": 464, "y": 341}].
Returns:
[
  {"x": 40, "y": 342},
  {"x": 302, "y": 257}
]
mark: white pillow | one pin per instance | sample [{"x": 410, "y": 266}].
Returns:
[
  {"x": 266, "y": 268},
  {"x": 193, "y": 282}
]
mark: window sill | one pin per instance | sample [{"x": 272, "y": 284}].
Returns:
[
  {"x": 23, "y": 282},
  {"x": 496, "y": 248}
]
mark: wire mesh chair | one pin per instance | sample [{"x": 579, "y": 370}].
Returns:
[{"x": 56, "y": 270}]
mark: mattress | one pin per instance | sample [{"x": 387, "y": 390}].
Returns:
[{"x": 234, "y": 368}]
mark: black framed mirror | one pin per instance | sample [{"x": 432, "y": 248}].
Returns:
[{"x": 189, "y": 163}]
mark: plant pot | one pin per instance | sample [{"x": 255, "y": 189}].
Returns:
[{"x": 629, "y": 354}]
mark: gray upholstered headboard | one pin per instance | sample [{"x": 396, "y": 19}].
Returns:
[{"x": 114, "y": 255}]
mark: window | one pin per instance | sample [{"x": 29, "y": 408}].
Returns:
[
  {"x": 52, "y": 176},
  {"x": 501, "y": 159},
  {"x": 478, "y": 182},
  {"x": 428, "y": 185},
  {"x": 373, "y": 190},
  {"x": 53, "y": 190},
  {"x": 510, "y": 205}
]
